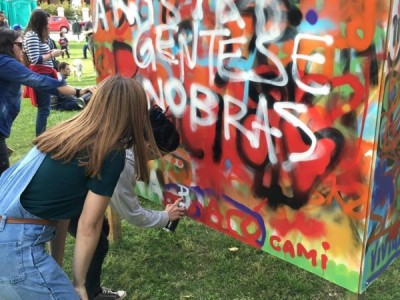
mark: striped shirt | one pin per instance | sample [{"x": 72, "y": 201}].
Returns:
[{"x": 35, "y": 49}]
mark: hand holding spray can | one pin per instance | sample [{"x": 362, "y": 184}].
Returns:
[{"x": 171, "y": 225}]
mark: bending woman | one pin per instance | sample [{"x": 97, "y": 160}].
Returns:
[
  {"x": 12, "y": 75},
  {"x": 72, "y": 170}
]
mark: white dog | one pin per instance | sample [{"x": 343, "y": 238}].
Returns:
[{"x": 77, "y": 68}]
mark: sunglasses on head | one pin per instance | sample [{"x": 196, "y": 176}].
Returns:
[{"x": 19, "y": 44}]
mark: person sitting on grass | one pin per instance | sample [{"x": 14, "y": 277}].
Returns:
[
  {"x": 64, "y": 102},
  {"x": 126, "y": 203}
]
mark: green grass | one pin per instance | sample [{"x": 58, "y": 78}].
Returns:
[{"x": 195, "y": 262}]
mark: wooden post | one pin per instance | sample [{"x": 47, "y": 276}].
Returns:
[
  {"x": 115, "y": 225},
  {"x": 354, "y": 296}
]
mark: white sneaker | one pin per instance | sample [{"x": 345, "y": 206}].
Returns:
[{"x": 109, "y": 294}]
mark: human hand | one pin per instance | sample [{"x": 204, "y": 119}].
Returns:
[
  {"x": 88, "y": 89},
  {"x": 174, "y": 211},
  {"x": 82, "y": 293},
  {"x": 56, "y": 52},
  {"x": 87, "y": 32}
]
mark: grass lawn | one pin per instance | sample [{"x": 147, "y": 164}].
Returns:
[{"x": 195, "y": 262}]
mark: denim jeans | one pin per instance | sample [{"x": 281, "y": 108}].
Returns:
[
  {"x": 66, "y": 104},
  {"x": 85, "y": 48},
  {"x": 93, "y": 277},
  {"x": 43, "y": 106},
  {"x": 26, "y": 270}
]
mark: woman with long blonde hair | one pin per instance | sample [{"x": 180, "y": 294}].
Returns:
[{"x": 72, "y": 170}]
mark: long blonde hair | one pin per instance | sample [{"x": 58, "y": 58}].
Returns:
[{"x": 116, "y": 117}]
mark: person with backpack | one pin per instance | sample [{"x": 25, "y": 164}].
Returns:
[{"x": 64, "y": 102}]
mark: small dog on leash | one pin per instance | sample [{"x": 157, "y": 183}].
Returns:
[{"x": 77, "y": 68}]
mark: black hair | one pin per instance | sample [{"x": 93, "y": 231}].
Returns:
[
  {"x": 165, "y": 133},
  {"x": 38, "y": 23},
  {"x": 7, "y": 38}
]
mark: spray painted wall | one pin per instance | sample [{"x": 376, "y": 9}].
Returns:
[{"x": 289, "y": 119}]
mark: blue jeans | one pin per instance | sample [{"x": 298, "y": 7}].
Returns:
[
  {"x": 85, "y": 48},
  {"x": 43, "y": 105},
  {"x": 65, "y": 103},
  {"x": 26, "y": 270}
]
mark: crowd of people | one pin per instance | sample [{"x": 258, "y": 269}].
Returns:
[
  {"x": 74, "y": 170},
  {"x": 62, "y": 41}
]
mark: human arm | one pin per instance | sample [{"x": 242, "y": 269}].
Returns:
[
  {"x": 57, "y": 245},
  {"x": 90, "y": 221},
  {"x": 126, "y": 203},
  {"x": 71, "y": 91},
  {"x": 87, "y": 237},
  {"x": 14, "y": 71},
  {"x": 88, "y": 28}
]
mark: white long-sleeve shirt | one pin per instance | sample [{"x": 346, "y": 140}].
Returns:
[{"x": 126, "y": 203}]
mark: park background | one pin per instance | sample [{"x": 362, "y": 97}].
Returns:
[{"x": 90, "y": 79}]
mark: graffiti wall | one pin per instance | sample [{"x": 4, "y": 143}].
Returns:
[{"x": 289, "y": 119}]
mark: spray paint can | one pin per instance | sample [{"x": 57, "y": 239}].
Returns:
[
  {"x": 171, "y": 225},
  {"x": 84, "y": 100}
]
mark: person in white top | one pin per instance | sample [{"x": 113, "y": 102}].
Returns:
[{"x": 126, "y": 203}]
